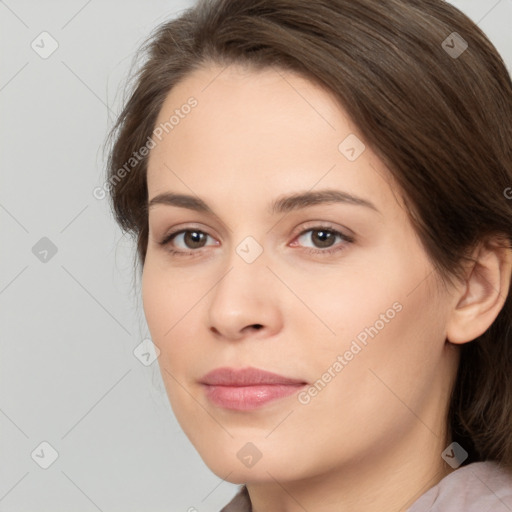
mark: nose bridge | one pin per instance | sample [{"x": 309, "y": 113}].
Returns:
[
  {"x": 242, "y": 296},
  {"x": 246, "y": 266}
]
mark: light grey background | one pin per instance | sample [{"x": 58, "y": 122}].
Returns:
[{"x": 68, "y": 375}]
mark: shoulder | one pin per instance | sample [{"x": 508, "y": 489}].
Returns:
[{"x": 480, "y": 486}]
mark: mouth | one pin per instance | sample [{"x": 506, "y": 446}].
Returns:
[{"x": 247, "y": 388}]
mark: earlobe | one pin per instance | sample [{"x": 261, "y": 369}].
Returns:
[{"x": 480, "y": 298}]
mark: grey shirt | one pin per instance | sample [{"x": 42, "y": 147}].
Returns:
[{"x": 477, "y": 487}]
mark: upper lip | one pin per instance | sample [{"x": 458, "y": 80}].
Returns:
[{"x": 245, "y": 377}]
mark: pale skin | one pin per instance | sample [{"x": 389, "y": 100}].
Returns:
[{"x": 372, "y": 439}]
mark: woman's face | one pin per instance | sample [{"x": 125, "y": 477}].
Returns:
[{"x": 336, "y": 294}]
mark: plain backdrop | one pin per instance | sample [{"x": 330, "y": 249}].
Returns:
[{"x": 71, "y": 316}]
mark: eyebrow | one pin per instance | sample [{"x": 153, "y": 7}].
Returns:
[{"x": 281, "y": 205}]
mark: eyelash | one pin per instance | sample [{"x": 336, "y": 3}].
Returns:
[{"x": 193, "y": 253}]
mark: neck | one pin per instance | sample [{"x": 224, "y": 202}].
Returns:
[{"x": 389, "y": 479}]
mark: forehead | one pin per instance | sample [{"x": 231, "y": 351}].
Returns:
[
  {"x": 266, "y": 103},
  {"x": 258, "y": 132}
]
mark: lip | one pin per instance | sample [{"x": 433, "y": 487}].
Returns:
[{"x": 247, "y": 388}]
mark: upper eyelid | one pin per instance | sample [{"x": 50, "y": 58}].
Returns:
[{"x": 312, "y": 226}]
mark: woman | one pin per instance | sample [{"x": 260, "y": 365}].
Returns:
[{"x": 318, "y": 190}]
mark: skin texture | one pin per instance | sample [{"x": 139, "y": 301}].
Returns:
[{"x": 372, "y": 438}]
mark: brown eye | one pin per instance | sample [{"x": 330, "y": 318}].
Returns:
[
  {"x": 322, "y": 240},
  {"x": 186, "y": 239},
  {"x": 322, "y": 237},
  {"x": 194, "y": 239}
]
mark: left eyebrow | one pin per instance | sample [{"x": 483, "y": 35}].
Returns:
[
  {"x": 281, "y": 205},
  {"x": 303, "y": 200}
]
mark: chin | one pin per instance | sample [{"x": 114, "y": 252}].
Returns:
[{"x": 241, "y": 462}]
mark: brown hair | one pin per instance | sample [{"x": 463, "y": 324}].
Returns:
[{"x": 441, "y": 122}]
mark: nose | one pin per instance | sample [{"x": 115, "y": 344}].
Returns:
[{"x": 245, "y": 302}]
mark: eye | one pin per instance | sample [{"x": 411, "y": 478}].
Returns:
[
  {"x": 187, "y": 241},
  {"x": 323, "y": 240}
]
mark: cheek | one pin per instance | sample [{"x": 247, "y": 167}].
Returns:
[
  {"x": 399, "y": 356},
  {"x": 170, "y": 304},
  {"x": 154, "y": 301},
  {"x": 342, "y": 305},
  {"x": 368, "y": 396},
  {"x": 164, "y": 302},
  {"x": 385, "y": 319}
]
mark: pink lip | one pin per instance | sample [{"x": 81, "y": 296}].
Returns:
[{"x": 247, "y": 388}]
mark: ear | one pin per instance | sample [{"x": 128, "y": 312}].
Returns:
[{"x": 482, "y": 294}]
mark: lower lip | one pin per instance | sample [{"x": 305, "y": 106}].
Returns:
[{"x": 245, "y": 398}]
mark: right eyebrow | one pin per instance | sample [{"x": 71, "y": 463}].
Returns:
[{"x": 181, "y": 201}]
